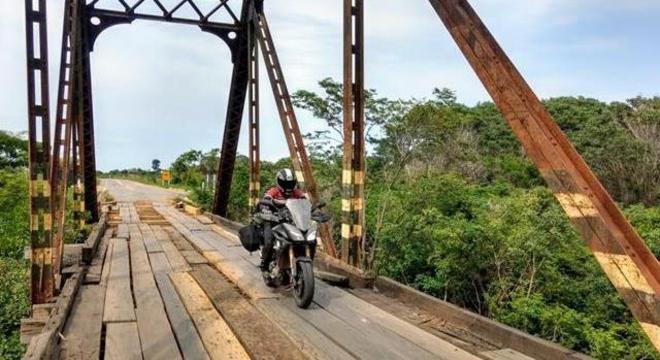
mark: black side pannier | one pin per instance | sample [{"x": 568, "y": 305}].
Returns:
[{"x": 249, "y": 236}]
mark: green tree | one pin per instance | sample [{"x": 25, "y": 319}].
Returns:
[
  {"x": 185, "y": 169},
  {"x": 155, "y": 165},
  {"x": 328, "y": 107},
  {"x": 13, "y": 150}
]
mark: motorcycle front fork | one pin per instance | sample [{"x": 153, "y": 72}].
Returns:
[{"x": 292, "y": 259}]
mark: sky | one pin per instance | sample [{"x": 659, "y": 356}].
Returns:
[{"x": 161, "y": 89}]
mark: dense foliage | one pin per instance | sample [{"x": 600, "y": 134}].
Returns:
[
  {"x": 456, "y": 209},
  {"x": 14, "y": 238},
  {"x": 14, "y": 235}
]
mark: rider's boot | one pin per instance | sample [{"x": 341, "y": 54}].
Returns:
[{"x": 265, "y": 272}]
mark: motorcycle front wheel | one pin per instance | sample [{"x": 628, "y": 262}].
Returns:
[{"x": 303, "y": 286}]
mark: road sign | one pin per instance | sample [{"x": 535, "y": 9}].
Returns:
[{"x": 166, "y": 175}]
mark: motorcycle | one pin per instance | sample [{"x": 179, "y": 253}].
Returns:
[{"x": 295, "y": 227}]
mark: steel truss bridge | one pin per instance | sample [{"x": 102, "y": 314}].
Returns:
[{"x": 243, "y": 26}]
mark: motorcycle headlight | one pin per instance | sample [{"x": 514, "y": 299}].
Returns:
[
  {"x": 294, "y": 233},
  {"x": 311, "y": 236}
]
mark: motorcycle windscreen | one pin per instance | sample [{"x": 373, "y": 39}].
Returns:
[{"x": 301, "y": 213}]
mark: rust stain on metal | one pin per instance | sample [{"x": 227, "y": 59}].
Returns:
[
  {"x": 588, "y": 204},
  {"x": 353, "y": 218},
  {"x": 294, "y": 139},
  {"x": 41, "y": 273}
]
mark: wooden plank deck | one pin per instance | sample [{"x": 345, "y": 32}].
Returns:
[
  {"x": 365, "y": 333},
  {"x": 119, "y": 305},
  {"x": 187, "y": 290},
  {"x": 122, "y": 342},
  {"x": 218, "y": 338}
]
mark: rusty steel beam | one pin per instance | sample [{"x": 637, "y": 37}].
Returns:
[
  {"x": 78, "y": 189},
  {"x": 353, "y": 174},
  {"x": 66, "y": 115},
  {"x": 41, "y": 272},
  {"x": 235, "y": 108},
  {"x": 87, "y": 148},
  {"x": 168, "y": 13},
  {"x": 294, "y": 139},
  {"x": 621, "y": 252},
  {"x": 253, "y": 104}
]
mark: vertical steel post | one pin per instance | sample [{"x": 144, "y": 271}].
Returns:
[
  {"x": 294, "y": 139},
  {"x": 78, "y": 189},
  {"x": 41, "y": 271},
  {"x": 235, "y": 108},
  {"x": 87, "y": 147},
  {"x": 66, "y": 116},
  {"x": 253, "y": 95},
  {"x": 353, "y": 174}
]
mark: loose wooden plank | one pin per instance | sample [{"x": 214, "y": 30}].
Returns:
[
  {"x": 257, "y": 334},
  {"x": 105, "y": 272},
  {"x": 229, "y": 250},
  {"x": 204, "y": 220},
  {"x": 118, "y": 299},
  {"x": 159, "y": 263},
  {"x": 194, "y": 258},
  {"x": 189, "y": 341},
  {"x": 93, "y": 275},
  {"x": 93, "y": 240},
  {"x": 124, "y": 213},
  {"x": 179, "y": 241},
  {"x": 505, "y": 354},
  {"x": 245, "y": 275},
  {"x": 149, "y": 239},
  {"x": 383, "y": 325},
  {"x": 219, "y": 340},
  {"x": 135, "y": 217},
  {"x": 122, "y": 231},
  {"x": 122, "y": 342},
  {"x": 188, "y": 222},
  {"x": 82, "y": 333},
  {"x": 307, "y": 338},
  {"x": 212, "y": 237},
  {"x": 157, "y": 338},
  {"x": 359, "y": 340},
  {"x": 199, "y": 243},
  {"x": 177, "y": 261},
  {"x": 226, "y": 233}
]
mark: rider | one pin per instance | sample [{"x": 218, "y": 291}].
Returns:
[{"x": 287, "y": 188}]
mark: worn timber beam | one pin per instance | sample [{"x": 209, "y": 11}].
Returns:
[
  {"x": 352, "y": 203},
  {"x": 294, "y": 139},
  {"x": 621, "y": 252},
  {"x": 41, "y": 271}
]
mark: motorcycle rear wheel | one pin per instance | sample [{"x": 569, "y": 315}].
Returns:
[{"x": 303, "y": 284}]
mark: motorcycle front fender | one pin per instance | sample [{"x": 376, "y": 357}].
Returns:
[{"x": 303, "y": 259}]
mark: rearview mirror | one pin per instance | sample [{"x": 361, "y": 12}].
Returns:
[
  {"x": 322, "y": 218},
  {"x": 320, "y": 205}
]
